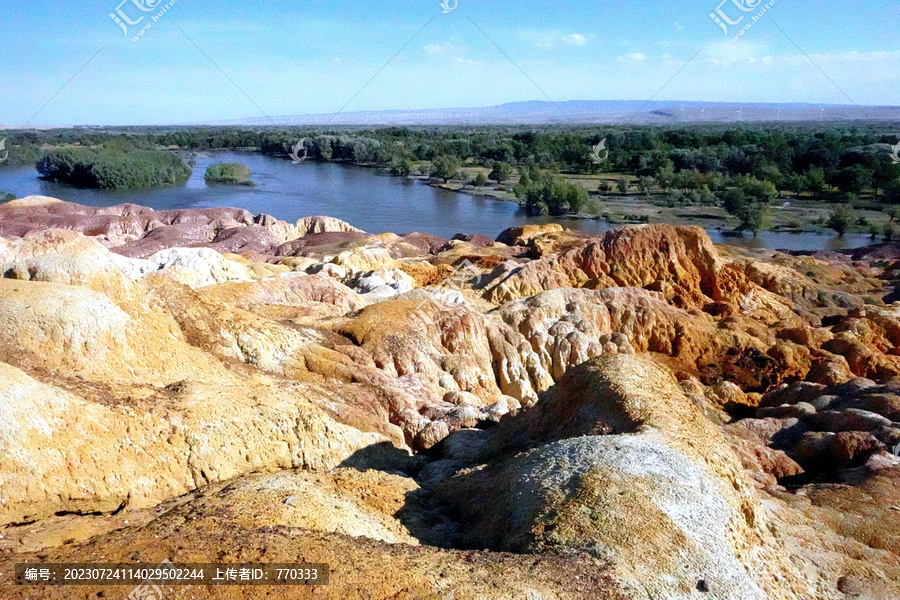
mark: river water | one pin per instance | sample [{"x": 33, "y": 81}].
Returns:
[{"x": 363, "y": 197}]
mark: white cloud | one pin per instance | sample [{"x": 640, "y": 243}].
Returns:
[
  {"x": 575, "y": 39},
  {"x": 632, "y": 57},
  {"x": 439, "y": 49},
  {"x": 546, "y": 40},
  {"x": 727, "y": 53}
]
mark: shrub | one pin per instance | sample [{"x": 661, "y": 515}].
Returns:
[
  {"x": 594, "y": 207},
  {"x": 21, "y": 154},
  {"x": 480, "y": 180},
  {"x": 444, "y": 168},
  {"x": 500, "y": 172},
  {"x": 840, "y": 219},
  {"x": 547, "y": 193},
  {"x": 753, "y": 216},
  {"x": 231, "y": 173},
  {"x": 400, "y": 167}
]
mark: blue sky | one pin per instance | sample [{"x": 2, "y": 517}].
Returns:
[{"x": 313, "y": 56}]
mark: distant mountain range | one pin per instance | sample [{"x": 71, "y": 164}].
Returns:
[{"x": 584, "y": 112}]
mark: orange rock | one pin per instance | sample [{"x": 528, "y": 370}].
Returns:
[{"x": 520, "y": 236}]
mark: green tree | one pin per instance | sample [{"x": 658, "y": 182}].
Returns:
[
  {"x": 113, "y": 168},
  {"x": 734, "y": 200},
  {"x": 853, "y": 180},
  {"x": 444, "y": 167},
  {"x": 892, "y": 192},
  {"x": 644, "y": 185},
  {"x": 664, "y": 178},
  {"x": 622, "y": 185},
  {"x": 884, "y": 172},
  {"x": 841, "y": 219},
  {"x": 401, "y": 167},
  {"x": 500, "y": 172},
  {"x": 768, "y": 171},
  {"x": 796, "y": 183},
  {"x": 22, "y": 154},
  {"x": 480, "y": 180},
  {"x": 893, "y": 214},
  {"x": 757, "y": 190},
  {"x": 753, "y": 216},
  {"x": 850, "y": 199},
  {"x": 548, "y": 193},
  {"x": 682, "y": 181},
  {"x": 323, "y": 148},
  {"x": 716, "y": 181},
  {"x": 815, "y": 180},
  {"x": 576, "y": 197}
]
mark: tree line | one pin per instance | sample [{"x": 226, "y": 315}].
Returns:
[
  {"x": 742, "y": 168},
  {"x": 116, "y": 165}
]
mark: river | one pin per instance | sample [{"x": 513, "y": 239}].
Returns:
[{"x": 363, "y": 197}]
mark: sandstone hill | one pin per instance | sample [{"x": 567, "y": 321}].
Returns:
[{"x": 638, "y": 415}]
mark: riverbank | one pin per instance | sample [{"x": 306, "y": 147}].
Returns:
[
  {"x": 372, "y": 200},
  {"x": 790, "y": 214}
]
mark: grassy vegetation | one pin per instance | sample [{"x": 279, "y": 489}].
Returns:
[
  {"x": 547, "y": 193},
  {"x": 231, "y": 173},
  {"x": 750, "y": 176},
  {"x": 25, "y": 153}
]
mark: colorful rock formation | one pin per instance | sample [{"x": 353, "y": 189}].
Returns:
[{"x": 638, "y": 415}]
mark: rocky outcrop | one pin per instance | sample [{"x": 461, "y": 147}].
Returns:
[
  {"x": 637, "y": 415},
  {"x": 310, "y": 225},
  {"x": 80, "y": 447},
  {"x": 434, "y": 349},
  {"x": 835, "y": 428},
  {"x": 138, "y": 232},
  {"x": 567, "y": 326},
  {"x": 291, "y": 296},
  {"x": 619, "y": 464},
  {"x": 520, "y": 236},
  {"x": 679, "y": 262}
]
